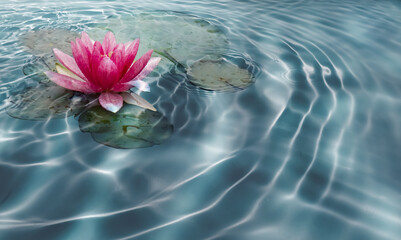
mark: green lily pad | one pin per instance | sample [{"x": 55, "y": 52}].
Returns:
[
  {"x": 45, "y": 101},
  {"x": 176, "y": 37},
  {"x": 43, "y": 41},
  {"x": 220, "y": 75},
  {"x": 37, "y": 66},
  {"x": 196, "y": 46},
  {"x": 131, "y": 127}
]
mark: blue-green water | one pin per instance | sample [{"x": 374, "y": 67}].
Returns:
[{"x": 310, "y": 151}]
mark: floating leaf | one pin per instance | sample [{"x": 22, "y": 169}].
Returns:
[
  {"x": 131, "y": 127},
  {"x": 37, "y": 66},
  {"x": 178, "y": 38},
  {"x": 43, "y": 41},
  {"x": 219, "y": 75},
  {"x": 194, "y": 45},
  {"x": 45, "y": 101}
]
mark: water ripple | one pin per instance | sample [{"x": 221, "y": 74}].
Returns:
[{"x": 309, "y": 150}]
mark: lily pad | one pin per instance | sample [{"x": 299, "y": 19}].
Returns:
[
  {"x": 131, "y": 127},
  {"x": 176, "y": 37},
  {"x": 219, "y": 75},
  {"x": 45, "y": 101},
  {"x": 43, "y": 41},
  {"x": 37, "y": 66}
]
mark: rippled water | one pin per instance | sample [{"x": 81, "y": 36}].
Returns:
[{"x": 310, "y": 151}]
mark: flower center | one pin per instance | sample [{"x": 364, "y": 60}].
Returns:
[{"x": 107, "y": 55}]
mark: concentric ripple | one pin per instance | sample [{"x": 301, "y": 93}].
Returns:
[{"x": 309, "y": 151}]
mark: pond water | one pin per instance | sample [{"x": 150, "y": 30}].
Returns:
[{"x": 309, "y": 150}]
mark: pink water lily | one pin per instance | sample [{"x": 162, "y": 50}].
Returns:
[{"x": 107, "y": 68}]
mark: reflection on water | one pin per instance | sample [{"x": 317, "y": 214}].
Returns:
[{"x": 309, "y": 151}]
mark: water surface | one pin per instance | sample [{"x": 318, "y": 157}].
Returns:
[{"x": 309, "y": 151}]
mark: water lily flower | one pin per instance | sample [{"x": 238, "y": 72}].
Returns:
[{"x": 107, "y": 68}]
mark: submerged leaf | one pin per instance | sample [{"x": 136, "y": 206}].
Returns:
[
  {"x": 46, "y": 101},
  {"x": 219, "y": 75},
  {"x": 131, "y": 127},
  {"x": 193, "y": 45},
  {"x": 43, "y": 41},
  {"x": 37, "y": 66},
  {"x": 177, "y": 37}
]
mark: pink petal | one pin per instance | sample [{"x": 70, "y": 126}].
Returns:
[
  {"x": 86, "y": 51},
  {"x": 95, "y": 62},
  {"x": 107, "y": 73},
  {"x": 68, "y": 62},
  {"x": 136, "y": 82},
  {"x": 137, "y": 67},
  {"x": 127, "y": 44},
  {"x": 64, "y": 71},
  {"x": 69, "y": 83},
  {"x": 121, "y": 87},
  {"x": 82, "y": 57},
  {"x": 87, "y": 41},
  {"x": 146, "y": 70},
  {"x": 111, "y": 101},
  {"x": 130, "y": 54},
  {"x": 98, "y": 45},
  {"x": 118, "y": 57},
  {"x": 135, "y": 99},
  {"x": 109, "y": 42}
]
